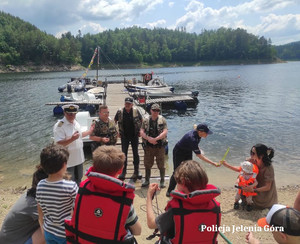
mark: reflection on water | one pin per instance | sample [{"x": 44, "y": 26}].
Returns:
[{"x": 243, "y": 105}]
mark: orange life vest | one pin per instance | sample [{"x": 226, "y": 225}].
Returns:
[{"x": 243, "y": 182}]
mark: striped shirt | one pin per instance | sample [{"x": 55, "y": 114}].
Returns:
[
  {"x": 132, "y": 217},
  {"x": 56, "y": 200}
]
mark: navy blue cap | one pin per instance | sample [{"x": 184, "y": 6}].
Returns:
[
  {"x": 204, "y": 128},
  {"x": 128, "y": 100}
]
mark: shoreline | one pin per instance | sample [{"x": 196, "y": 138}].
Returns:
[
  {"x": 64, "y": 67},
  {"x": 234, "y": 223}
]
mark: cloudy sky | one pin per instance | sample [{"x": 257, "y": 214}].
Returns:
[{"x": 275, "y": 19}]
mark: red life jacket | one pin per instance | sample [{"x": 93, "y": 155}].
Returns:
[
  {"x": 101, "y": 209},
  {"x": 196, "y": 215}
]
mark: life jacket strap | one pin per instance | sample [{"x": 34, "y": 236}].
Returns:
[
  {"x": 119, "y": 199},
  {"x": 93, "y": 239}
]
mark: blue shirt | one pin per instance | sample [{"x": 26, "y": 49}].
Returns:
[{"x": 189, "y": 142}]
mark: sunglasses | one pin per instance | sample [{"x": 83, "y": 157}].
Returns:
[{"x": 155, "y": 110}]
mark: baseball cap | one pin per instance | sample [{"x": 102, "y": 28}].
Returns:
[
  {"x": 204, "y": 128},
  {"x": 155, "y": 106},
  {"x": 128, "y": 100},
  {"x": 282, "y": 216},
  {"x": 70, "y": 108}
]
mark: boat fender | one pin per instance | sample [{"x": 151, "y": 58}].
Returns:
[
  {"x": 172, "y": 89},
  {"x": 62, "y": 98},
  {"x": 180, "y": 105},
  {"x": 61, "y": 88},
  {"x": 58, "y": 110}
]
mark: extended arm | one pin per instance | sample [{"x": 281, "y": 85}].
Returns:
[
  {"x": 227, "y": 165},
  {"x": 207, "y": 160},
  {"x": 150, "y": 213},
  {"x": 88, "y": 132}
]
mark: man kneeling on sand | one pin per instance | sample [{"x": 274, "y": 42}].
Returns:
[{"x": 284, "y": 221}]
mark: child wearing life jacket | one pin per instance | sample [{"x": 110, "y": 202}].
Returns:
[
  {"x": 248, "y": 173},
  {"x": 192, "y": 215},
  {"x": 104, "y": 210}
]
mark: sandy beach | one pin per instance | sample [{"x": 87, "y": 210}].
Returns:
[{"x": 234, "y": 223}]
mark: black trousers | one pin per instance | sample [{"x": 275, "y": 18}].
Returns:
[
  {"x": 134, "y": 144},
  {"x": 178, "y": 157}
]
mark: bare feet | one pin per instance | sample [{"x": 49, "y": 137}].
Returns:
[{"x": 251, "y": 239}]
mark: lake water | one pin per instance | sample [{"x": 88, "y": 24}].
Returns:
[{"x": 242, "y": 104}]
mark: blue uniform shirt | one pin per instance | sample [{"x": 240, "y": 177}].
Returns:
[{"x": 189, "y": 142}]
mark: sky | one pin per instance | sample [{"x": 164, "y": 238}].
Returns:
[{"x": 278, "y": 20}]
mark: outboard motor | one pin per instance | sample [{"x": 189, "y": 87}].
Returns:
[
  {"x": 69, "y": 88},
  {"x": 79, "y": 88},
  {"x": 195, "y": 93}
]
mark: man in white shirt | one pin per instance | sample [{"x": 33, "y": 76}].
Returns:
[{"x": 67, "y": 132}]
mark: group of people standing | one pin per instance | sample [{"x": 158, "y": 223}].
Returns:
[
  {"x": 129, "y": 125},
  {"x": 104, "y": 195}
]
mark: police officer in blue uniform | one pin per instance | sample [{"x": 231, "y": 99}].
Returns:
[{"x": 184, "y": 149}]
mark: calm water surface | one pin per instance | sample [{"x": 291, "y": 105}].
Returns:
[{"x": 242, "y": 104}]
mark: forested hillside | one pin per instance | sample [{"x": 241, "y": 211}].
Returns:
[
  {"x": 289, "y": 51},
  {"x": 21, "y": 43}
]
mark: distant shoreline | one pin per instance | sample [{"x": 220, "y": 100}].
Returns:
[{"x": 26, "y": 68}]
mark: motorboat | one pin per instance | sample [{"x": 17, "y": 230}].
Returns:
[
  {"x": 83, "y": 83},
  {"x": 150, "y": 84}
]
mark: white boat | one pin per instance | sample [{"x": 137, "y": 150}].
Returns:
[
  {"x": 83, "y": 83},
  {"x": 94, "y": 94},
  {"x": 150, "y": 84}
]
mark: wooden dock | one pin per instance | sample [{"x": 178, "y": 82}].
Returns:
[{"x": 116, "y": 95}]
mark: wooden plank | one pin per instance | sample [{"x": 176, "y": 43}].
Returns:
[{"x": 92, "y": 102}]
